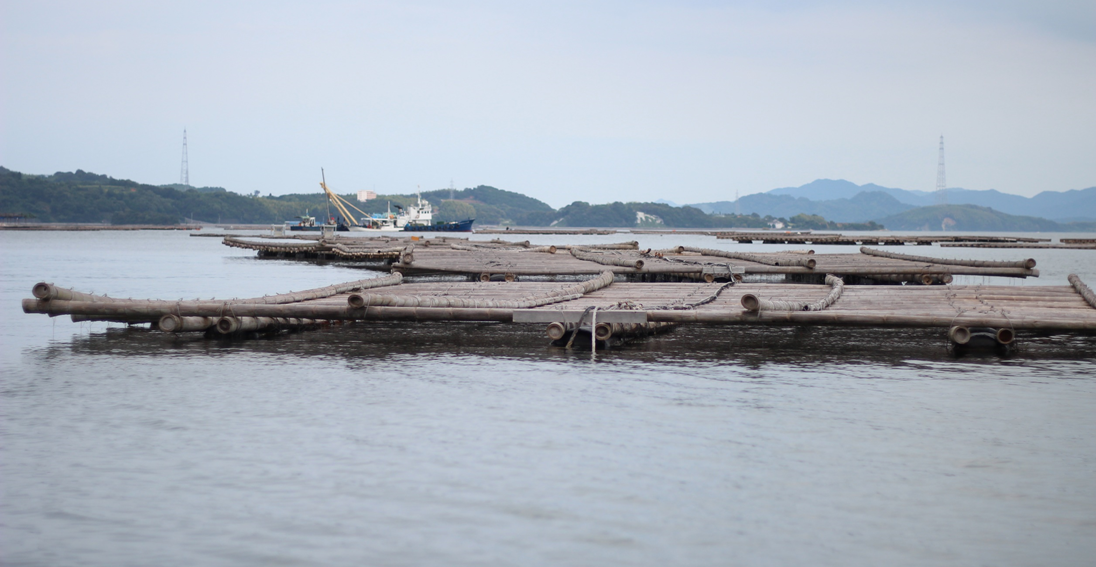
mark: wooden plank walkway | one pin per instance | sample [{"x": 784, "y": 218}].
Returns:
[{"x": 602, "y": 299}]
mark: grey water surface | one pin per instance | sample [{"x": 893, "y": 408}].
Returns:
[{"x": 473, "y": 444}]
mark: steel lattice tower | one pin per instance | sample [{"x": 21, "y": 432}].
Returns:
[
  {"x": 941, "y": 184},
  {"x": 184, "y": 171}
]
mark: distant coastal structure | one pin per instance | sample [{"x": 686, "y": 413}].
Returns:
[
  {"x": 184, "y": 170},
  {"x": 941, "y": 184},
  {"x": 366, "y": 195}
]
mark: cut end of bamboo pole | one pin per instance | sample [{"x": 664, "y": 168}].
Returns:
[
  {"x": 959, "y": 335},
  {"x": 1029, "y": 263},
  {"x": 639, "y": 264},
  {"x": 1005, "y": 336},
  {"x": 170, "y": 323},
  {"x": 811, "y": 263},
  {"x": 603, "y": 331},
  {"x": 43, "y": 291},
  {"x": 355, "y": 300},
  {"x": 228, "y": 325},
  {"x": 485, "y": 277},
  {"x": 751, "y": 302},
  {"x": 556, "y": 331}
]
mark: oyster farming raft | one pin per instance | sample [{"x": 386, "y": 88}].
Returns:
[{"x": 602, "y": 293}]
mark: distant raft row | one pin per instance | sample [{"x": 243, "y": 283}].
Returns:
[
  {"x": 778, "y": 236},
  {"x": 509, "y": 260}
]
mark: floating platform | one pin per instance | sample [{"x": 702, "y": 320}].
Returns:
[
  {"x": 604, "y": 307},
  {"x": 507, "y": 260},
  {"x": 1063, "y": 245},
  {"x": 780, "y": 237}
]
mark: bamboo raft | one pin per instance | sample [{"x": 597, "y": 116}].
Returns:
[
  {"x": 863, "y": 239},
  {"x": 779, "y": 237},
  {"x": 604, "y": 308},
  {"x": 509, "y": 260},
  {"x": 1045, "y": 245}
]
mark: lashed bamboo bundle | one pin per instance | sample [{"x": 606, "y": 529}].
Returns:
[
  {"x": 1082, "y": 289},
  {"x": 632, "y": 245},
  {"x": 271, "y": 246},
  {"x": 771, "y": 260},
  {"x": 93, "y": 308},
  {"x": 752, "y": 303},
  {"x": 175, "y": 324},
  {"x": 1027, "y": 264},
  {"x": 606, "y": 259},
  {"x": 524, "y": 244},
  {"x": 345, "y": 251},
  {"x": 359, "y": 301}
]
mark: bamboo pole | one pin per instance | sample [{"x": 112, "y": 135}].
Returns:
[
  {"x": 1082, "y": 289},
  {"x": 752, "y": 303},
  {"x": 1025, "y": 264},
  {"x": 808, "y": 263},
  {"x": 604, "y": 259},
  {"x": 176, "y": 324},
  {"x": 47, "y": 292}
]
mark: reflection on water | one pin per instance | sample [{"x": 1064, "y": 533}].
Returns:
[{"x": 684, "y": 345}]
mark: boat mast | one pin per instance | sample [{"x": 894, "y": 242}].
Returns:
[{"x": 324, "y": 183}]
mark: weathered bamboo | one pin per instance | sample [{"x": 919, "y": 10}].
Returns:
[
  {"x": 117, "y": 319},
  {"x": 632, "y": 245},
  {"x": 329, "y": 291},
  {"x": 230, "y": 325},
  {"x": 752, "y": 303},
  {"x": 176, "y": 324},
  {"x": 808, "y": 263},
  {"x": 545, "y": 249},
  {"x": 524, "y": 244},
  {"x": 924, "y": 279},
  {"x": 872, "y": 319},
  {"x": 962, "y": 335},
  {"x": 558, "y": 330},
  {"x": 1082, "y": 289},
  {"x": 47, "y": 291},
  {"x": 358, "y": 301},
  {"x": 1025, "y": 264},
  {"x": 605, "y": 259},
  {"x": 606, "y": 331}
]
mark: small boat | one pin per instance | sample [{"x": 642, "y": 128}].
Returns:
[{"x": 306, "y": 223}]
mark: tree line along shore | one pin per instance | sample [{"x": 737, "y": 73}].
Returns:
[{"x": 84, "y": 197}]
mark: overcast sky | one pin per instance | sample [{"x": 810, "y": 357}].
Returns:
[{"x": 594, "y": 101}]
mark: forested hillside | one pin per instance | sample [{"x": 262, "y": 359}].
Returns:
[{"x": 87, "y": 197}]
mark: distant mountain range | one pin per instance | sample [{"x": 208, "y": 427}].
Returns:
[{"x": 844, "y": 201}]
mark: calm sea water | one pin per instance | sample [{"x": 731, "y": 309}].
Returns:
[{"x": 469, "y": 444}]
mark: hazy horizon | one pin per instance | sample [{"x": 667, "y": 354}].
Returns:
[{"x": 601, "y": 102}]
